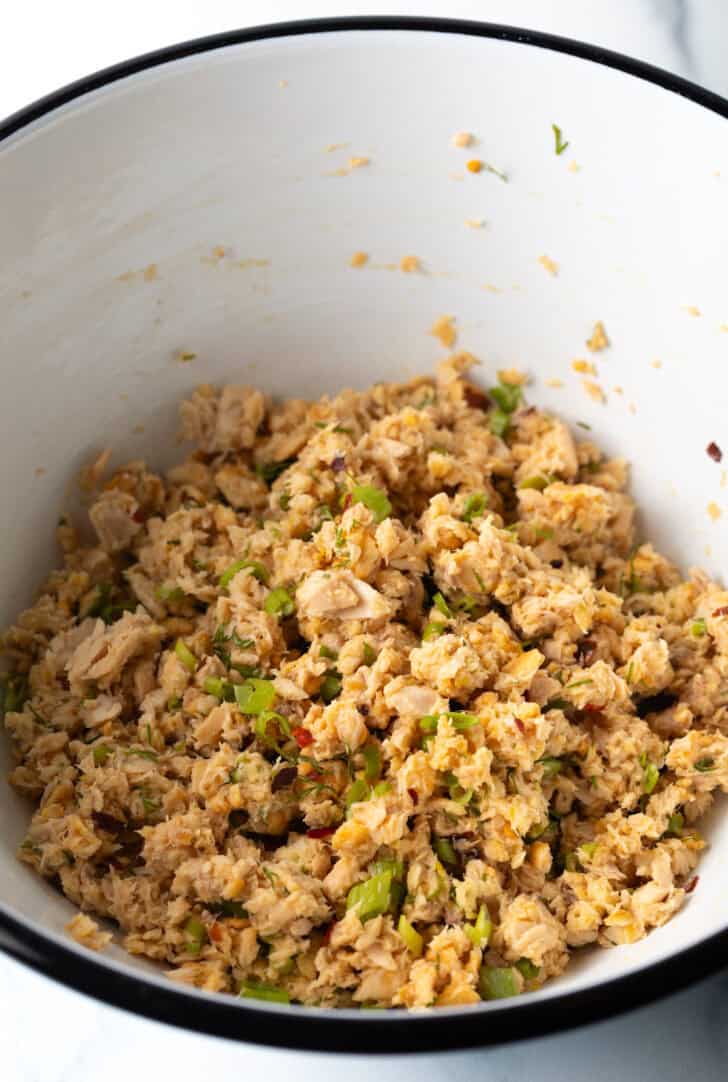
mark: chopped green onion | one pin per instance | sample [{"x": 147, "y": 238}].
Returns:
[
  {"x": 231, "y": 909},
  {"x": 268, "y": 992},
  {"x": 445, "y": 851},
  {"x": 279, "y": 602},
  {"x": 539, "y": 482},
  {"x": 698, "y": 628},
  {"x": 675, "y": 824},
  {"x": 441, "y": 604},
  {"x": 507, "y": 396},
  {"x": 261, "y": 726},
  {"x": 456, "y": 791},
  {"x": 195, "y": 935},
  {"x": 551, "y": 766},
  {"x": 480, "y": 932},
  {"x": 411, "y": 938},
  {"x": 558, "y": 704},
  {"x": 579, "y": 683},
  {"x": 428, "y": 724},
  {"x": 433, "y": 630},
  {"x": 500, "y": 422},
  {"x": 527, "y": 969},
  {"x": 185, "y": 655},
  {"x": 372, "y": 897},
  {"x": 373, "y": 498},
  {"x": 170, "y": 593},
  {"x": 368, "y": 654},
  {"x": 331, "y": 655},
  {"x": 269, "y": 471},
  {"x": 255, "y": 696},
  {"x": 589, "y": 848},
  {"x": 461, "y": 721},
  {"x": 15, "y": 693},
  {"x": 101, "y": 754},
  {"x": 650, "y": 778},
  {"x": 704, "y": 766},
  {"x": 174, "y": 703},
  {"x": 214, "y": 685},
  {"x": 358, "y": 791},
  {"x": 498, "y": 982},
  {"x": 381, "y": 789},
  {"x": 330, "y": 686},
  {"x": 372, "y": 756},
  {"x": 475, "y": 505},
  {"x": 559, "y": 145},
  {"x": 257, "y": 569}
]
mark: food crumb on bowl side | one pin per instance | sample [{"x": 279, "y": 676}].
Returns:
[
  {"x": 549, "y": 265},
  {"x": 410, "y": 264},
  {"x": 88, "y": 933},
  {"x": 598, "y": 339},
  {"x": 359, "y": 259},
  {"x": 594, "y": 390},
  {"x": 443, "y": 329}
]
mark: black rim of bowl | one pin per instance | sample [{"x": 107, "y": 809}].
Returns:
[{"x": 366, "y": 1031}]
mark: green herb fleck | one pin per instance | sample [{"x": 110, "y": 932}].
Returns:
[{"x": 559, "y": 145}]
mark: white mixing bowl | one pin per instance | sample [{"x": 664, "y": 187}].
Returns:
[{"x": 115, "y": 195}]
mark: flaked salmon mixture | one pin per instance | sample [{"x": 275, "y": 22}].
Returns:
[{"x": 372, "y": 700}]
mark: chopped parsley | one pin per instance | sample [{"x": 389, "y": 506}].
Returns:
[{"x": 559, "y": 144}]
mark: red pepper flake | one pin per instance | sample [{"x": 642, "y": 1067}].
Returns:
[
  {"x": 690, "y": 887},
  {"x": 413, "y": 796},
  {"x": 327, "y": 933},
  {"x": 139, "y": 515},
  {"x": 215, "y": 933},
  {"x": 303, "y": 737},
  {"x": 347, "y": 502},
  {"x": 519, "y": 725},
  {"x": 714, "y": 451},
  {"x": 320, "y": 832},
  {"x": 722, "y": 611}
]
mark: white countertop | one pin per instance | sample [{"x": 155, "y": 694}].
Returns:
[{"x": 46, "y": 44}]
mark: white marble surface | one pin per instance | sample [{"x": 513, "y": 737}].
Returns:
[{"x": 53, "y": 1035}]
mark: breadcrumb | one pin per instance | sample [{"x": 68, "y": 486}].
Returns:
[
  {"x": 358, "y": 259},
  {"x": 554, "y": 382},
  {"x": 692, "y": 310},
  {"x": 463, "y": 139},
  {"x": 714, "y": 510},
  {"x": 444, "y": 330},
  {"x": 598, "y": 340},
  {"x": 475, "y": 223},
  {"x": 150, "y": 272},
  {"x": 586, "y": 367},
  {"x": 474, "y": 165},
  {"x": 656, "y": 364},
  {"x": 549, "y": 265},
  {"x": 409, "y": 263},
  {"x": 358, "y": 163}
]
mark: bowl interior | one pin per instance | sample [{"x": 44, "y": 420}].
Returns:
[{"x": 209, "y": 206}]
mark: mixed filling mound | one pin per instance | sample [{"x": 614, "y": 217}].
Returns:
[{"x": 372, "y": 701}]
